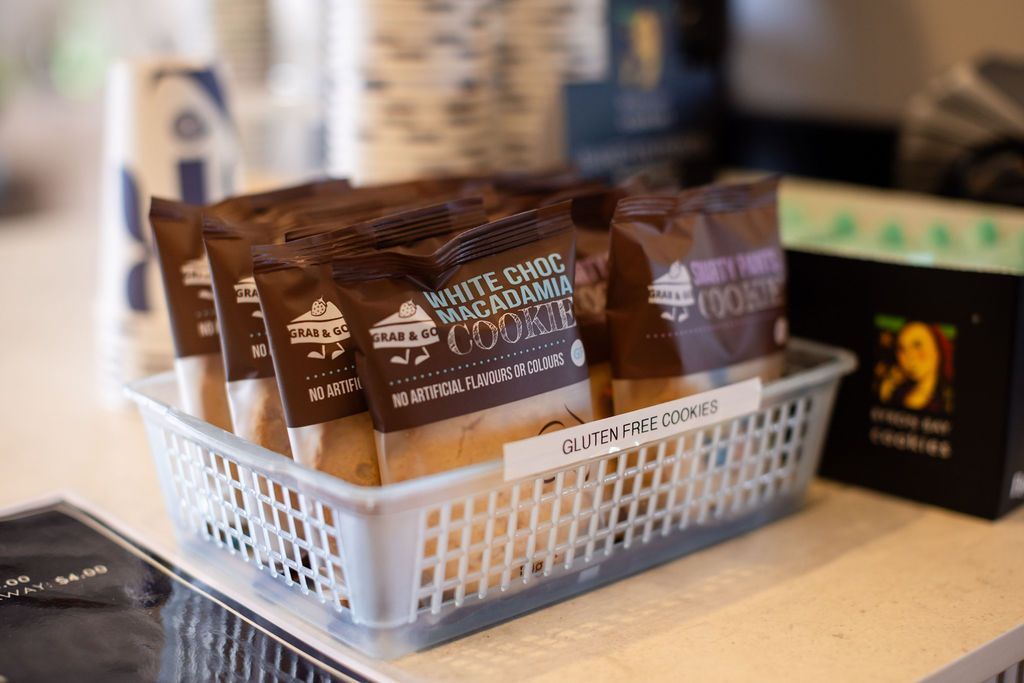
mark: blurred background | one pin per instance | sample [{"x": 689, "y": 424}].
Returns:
[{"x": 388, "y": 89}]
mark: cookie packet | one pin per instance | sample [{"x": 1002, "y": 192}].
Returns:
[
  {"x": 230, "y": 229},
  {"x": 696, "y": 292},
  {"x": 329, "y": 427},
  {"x": 198, "y": 365},
  {"x": 593, "y": 205},
  {"x": 469, "y": 347},
  {"x": 255, "y": 404}
]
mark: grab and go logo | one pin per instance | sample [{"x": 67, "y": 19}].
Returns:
[
  {"x": 246, "y": 293},
  {"x": 673, "y": 292},
  {"x": 410, "y": 329},
  {"x": 322, "y": 325},
  {"x": 196, "y": 273}
]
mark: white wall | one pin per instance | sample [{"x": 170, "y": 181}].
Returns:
[{"x": 857, "y": 59}]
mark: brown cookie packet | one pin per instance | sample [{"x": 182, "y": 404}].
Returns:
[
  {"x": 325, "y": 410},
  {"x": 696, "y": 292},
  {"x": 365, "y": 203},
  {"x": 470, "y": 347},
  {"x": 253, "y": 398},
  {"x": 198, "y": 366},
  {"x": 230, "y": 229}
]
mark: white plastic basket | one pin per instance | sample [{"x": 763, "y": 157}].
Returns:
[{"x": 394, "y": 569}]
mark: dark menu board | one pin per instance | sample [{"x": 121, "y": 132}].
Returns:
[{"x": 79, "y": 602}]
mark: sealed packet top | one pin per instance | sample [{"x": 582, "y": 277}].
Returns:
[
  {"x": 364, "y": 203},
  {"x": 471, "y": 347},
  {"x": 697, "y": 292},
  {"x": 177, "y": 233},
  {"x": 593, "y": 202},
  {"x": 256, "y": 206},
  {"x": 325, "y": 410},
  {"x": 384, "y": 227}
]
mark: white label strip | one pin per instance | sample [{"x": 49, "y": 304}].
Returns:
[{"x": 530, "y": 457}]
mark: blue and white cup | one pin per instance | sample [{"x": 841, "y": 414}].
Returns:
[{"x": 168, "y": 133}]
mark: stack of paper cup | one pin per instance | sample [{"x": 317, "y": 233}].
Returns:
[
  {"x": 410, "y": 89},
  {"x": 545, "y": 45},
  {"x": 242, "y": 34},
  {"x": 168, "y": 133}
]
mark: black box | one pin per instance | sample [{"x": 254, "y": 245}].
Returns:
[{"x": 935, "y": 411}]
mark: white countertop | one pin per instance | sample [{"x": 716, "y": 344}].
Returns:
[{"x": 857, "y": 586}]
